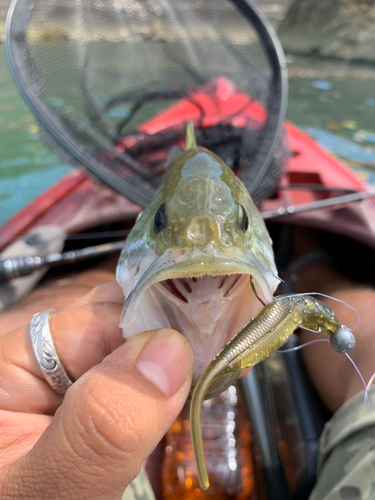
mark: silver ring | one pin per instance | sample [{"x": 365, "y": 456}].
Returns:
[{"x": 45, "y": 353}]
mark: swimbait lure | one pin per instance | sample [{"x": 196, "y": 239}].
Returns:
[{"x": 262, "y": 336}]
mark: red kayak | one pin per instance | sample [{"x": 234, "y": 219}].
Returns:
[
  {"x": 315, "y": 190},
  {"x": 77, "y": 203}
]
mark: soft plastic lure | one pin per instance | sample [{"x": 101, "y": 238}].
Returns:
[{"x": 262, "y": 336}]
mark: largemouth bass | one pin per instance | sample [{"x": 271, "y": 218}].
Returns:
[{"x": 189, "y": 258}]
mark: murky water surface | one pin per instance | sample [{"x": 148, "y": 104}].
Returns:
[
  {"x": 26, "y": 167},
  {"x": 334, "y": 102}
]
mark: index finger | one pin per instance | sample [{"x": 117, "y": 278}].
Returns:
[{"x": 83, "y": 336}]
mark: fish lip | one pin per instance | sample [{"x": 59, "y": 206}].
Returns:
[{"x": 196, "y": 267}]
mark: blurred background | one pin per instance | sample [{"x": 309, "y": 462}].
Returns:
[{"x": 331, "y": 63}]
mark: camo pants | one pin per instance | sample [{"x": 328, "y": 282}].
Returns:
[{"x": 346, "y": 468}]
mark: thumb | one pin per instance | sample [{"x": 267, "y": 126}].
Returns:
[{"x": 110, "y": 421}]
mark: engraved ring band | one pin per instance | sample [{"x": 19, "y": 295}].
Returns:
[{"x": 45, "y": 352}]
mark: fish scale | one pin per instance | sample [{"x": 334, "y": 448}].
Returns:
[{"x": 259, "y": 326}]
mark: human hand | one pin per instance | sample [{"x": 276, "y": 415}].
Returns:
[{"x": 91, "y": 442}]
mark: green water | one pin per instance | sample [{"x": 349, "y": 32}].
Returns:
[
  {"x": 334, "y": 102},
  {"x": 26, "y": 167}
]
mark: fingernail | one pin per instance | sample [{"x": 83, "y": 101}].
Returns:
[{"x": 166, "y": 361}]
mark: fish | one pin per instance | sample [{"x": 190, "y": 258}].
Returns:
[
  {"x": 189, "y": 258},
  {"x": 262, "y": 336}
]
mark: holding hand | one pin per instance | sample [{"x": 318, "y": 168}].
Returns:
[{"x": 91, "y": 442}]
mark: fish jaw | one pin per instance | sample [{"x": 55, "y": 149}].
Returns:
[{"x": 206, "y": 298}]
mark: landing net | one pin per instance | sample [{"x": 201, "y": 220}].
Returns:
[{"x": 114, "y": 82}]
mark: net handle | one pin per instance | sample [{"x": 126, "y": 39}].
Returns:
[{"x": 277, "y": 104}]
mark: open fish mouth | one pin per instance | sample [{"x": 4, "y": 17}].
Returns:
[{"x": 207, "y": 299}]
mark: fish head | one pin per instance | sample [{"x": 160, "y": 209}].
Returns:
[{"x": 188, "y": 260}]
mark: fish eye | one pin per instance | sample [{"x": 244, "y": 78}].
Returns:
[
  {"x": 160, "y": 220},
  {"x": 243, "y": 219}
]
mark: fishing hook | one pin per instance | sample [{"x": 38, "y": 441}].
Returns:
[
  {"x": 309, "y": 329},
  {"x": 254, "y": 290}
]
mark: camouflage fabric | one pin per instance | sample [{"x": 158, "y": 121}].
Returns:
[
  {"x": 139, "y": 489},
  {"x": 346, "y": 468}
]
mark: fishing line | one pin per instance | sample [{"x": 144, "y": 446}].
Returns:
[
  {"x": 370, "y": 382},
  {"x": 366, "y": 396},
  {"x": 367, "y": 402},
  {"x": 322, "y": 295}
]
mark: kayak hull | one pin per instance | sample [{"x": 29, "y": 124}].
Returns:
[{"x": 78, "y": 203}]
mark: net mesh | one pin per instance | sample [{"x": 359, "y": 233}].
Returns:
[{"x": 119, "y": 79}]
